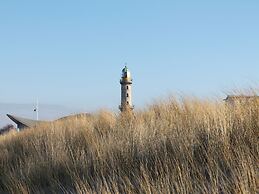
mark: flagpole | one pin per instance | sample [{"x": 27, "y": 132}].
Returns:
[{"x": 37, "y": 109}]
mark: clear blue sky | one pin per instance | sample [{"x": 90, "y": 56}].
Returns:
[{"x": 72, "y": 52}]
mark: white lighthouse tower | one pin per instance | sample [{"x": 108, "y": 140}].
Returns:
[{"x": 126, "y": 96}]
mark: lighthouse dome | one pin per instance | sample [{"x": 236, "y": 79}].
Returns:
[{"x": 125, "y": 72}]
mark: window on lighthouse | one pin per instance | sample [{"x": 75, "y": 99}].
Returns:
[
  {"x": 127, "y": 87},
  {"x": 127, "y": 95}
]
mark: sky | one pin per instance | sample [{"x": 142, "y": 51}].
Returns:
[{"x": 71, "y": 53}]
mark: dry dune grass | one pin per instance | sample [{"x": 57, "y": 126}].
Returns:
[{"x": 189, "y": 146}]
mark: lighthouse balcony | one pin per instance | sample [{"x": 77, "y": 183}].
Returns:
[{"x": 126, "y": 81}]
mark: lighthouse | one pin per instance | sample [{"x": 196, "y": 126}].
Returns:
[{"x": 126, "y": 89}]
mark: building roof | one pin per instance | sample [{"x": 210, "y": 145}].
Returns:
[
  {"x": 32, "y": 123},
  {"x": 241, "y": 97},
  {"x": 80, "y": 115},
  {"x": 26, "y": 122}
]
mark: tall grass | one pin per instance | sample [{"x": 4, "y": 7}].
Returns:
[{"x": 187, "y": 146}]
